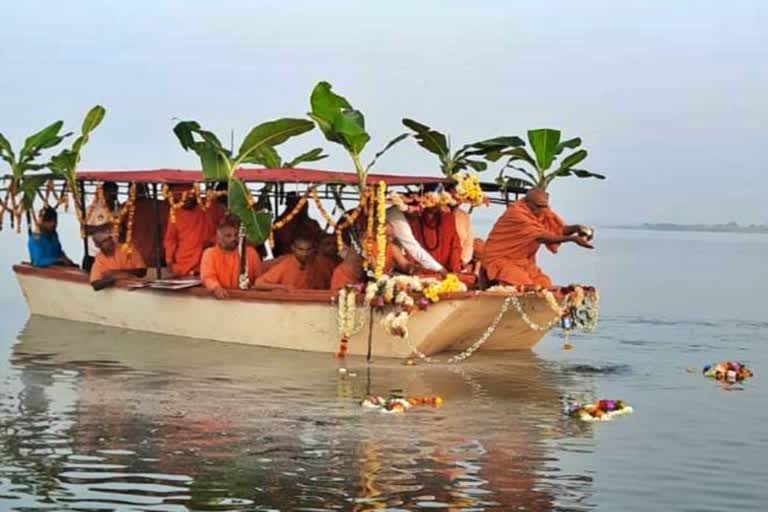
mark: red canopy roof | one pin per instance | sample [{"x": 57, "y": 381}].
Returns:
[{"x": 254, "y": 175}]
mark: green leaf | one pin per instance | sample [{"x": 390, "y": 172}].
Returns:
[
  {"x": 476, "y": 165},
  {"x": 186, "y": 130},
  {"x": 6, "y": 151},
  {"x": 93, "y": 119},
  {"x": 581, "y": 173},
  {"x": 313, "y": 155},
  {"x": 267, "y": 157},
  {"x": 544, "y": 143},
  {"x": 573, "y": 159},
  {"x": 30, "y": 185},
  {"x": 570, "y": 144},
  {"x": 45, "y": 138},
  {"x": 391, "y": 143},
  {"x": 256, "y": 223},
  {"x": 271, "y": 133},
  {"x": 520, "y": 154},
  {"x": 487, "y": 146},
  {"x": 431, "y": 140},
  {"x": 510, "y": 183},
  {"x": 350, "y": 125},
  {"x": 64, "y": 163},
  {"x": 216, "y": 165},
  {"x": 326, "y": 104}
]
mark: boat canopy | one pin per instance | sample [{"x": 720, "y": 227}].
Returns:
[{"x": 306, "y": 176}]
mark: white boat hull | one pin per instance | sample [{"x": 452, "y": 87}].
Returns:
[{"x": 304, "y": 320}]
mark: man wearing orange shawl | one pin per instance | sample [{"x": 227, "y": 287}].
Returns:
[
  {"x": 220, "y": 266},
  {"x": 113, "y": 264},
  {"x": 145, "y": 224},
  {"x": 435, "y": 230},
  {"x": 509, "y": 256},
  {"x": 291, "y": 270},
  {"x": 186, "y": 238},
  {"x": 323, "y": 263}
]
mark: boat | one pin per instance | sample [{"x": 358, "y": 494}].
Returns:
[{"x": 306, "y": 320}]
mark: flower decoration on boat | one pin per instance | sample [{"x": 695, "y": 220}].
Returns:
[
  {"x": 728, "y": 371},
  {"x": 396, "y": 403},
  {"x": 346, "y": 318},
  {"x": 405, "y": 295},
  {"x": 127, "y": 213},
  {"x": 280, "y": 224},
  {"x": 381, "y": 230},
  {"x": 177, "y": 200},
  {"x": 600, "y": 410},
  {"x": 468, "y": 189}
]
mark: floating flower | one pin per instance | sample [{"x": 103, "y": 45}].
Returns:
[
  {"x": 728, "y": 371},
  {"x": 601, "y": 410}
]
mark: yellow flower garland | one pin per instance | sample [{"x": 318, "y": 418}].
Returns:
[{"x": 381, "y": 231}]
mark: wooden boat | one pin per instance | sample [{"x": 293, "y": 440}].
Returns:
[{"x": 298, "y": 319}]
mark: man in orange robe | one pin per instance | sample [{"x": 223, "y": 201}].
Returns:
[
  {"x": 220, "y": 266},
  {"x": 323, "y": 263},
  {"x": 113, "y": 264},
  {"x": 291, "y": 270},
  {"x": 186, "y": 238},
  {"x": 145, "y": 224},
  {"x": 301, "y": 225},
  {"x": 510, "y": 251},
  {"x": 435, "y": 230}
]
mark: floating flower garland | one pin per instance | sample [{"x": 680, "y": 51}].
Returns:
[
  {"x": 396, "y": 404},
  {"x": 601, "y": 410},
  {"x": 728, "y": 371}
]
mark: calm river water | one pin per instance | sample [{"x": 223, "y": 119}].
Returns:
[{"x": 101, "y": 419}]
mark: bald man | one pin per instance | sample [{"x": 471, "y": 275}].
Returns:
[{"x": 510, "y": 253}]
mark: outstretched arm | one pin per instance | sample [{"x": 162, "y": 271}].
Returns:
[{"x": 554, "y": 239}]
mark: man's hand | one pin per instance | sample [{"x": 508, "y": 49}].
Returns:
[
  {"x": 586, "y": 232},
  {"x": 220, "y": 293},
  {"x": 583, "y": 242}
]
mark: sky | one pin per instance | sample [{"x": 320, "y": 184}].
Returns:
[{"x": 669, "y": 97}]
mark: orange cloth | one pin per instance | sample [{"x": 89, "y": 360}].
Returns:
[
  {"x": 185, "y": 239},
  {"x": 441, "y": 239},
  {"x": 510, "y": 252},
  {"x": 103, "y": 264},
  {"x": 222, "y": 268},
  {"x": 288, "y": 272},
  {"x": 144, "y": 226},
  {"x": 343, "y": 275},
  {"x": 466, "y": 236},
  {"x": 320, "y": 270}
]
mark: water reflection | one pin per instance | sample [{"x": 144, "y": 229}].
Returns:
[{"x": 100, "y": 418}]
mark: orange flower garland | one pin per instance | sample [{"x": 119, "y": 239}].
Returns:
[
  {"x": 348, "y": 221},
  {"x": 278, "y": 225},
  {"x": 129, "y": 209},
  {"x": 327, "y": 216},
  {"x": 369, "y": 211},
  {"x": 381, "y": 230}
]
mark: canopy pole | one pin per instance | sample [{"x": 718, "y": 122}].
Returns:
[
  {"x": 81, "y": 186},
  {"x": 158, "y": 235},
  {"x": 370, "y": 334}
]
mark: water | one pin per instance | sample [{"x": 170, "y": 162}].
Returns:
[{"x": 101, "y": 419}]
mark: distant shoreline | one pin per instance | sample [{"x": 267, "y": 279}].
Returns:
[{"x": 731, "y": 227}]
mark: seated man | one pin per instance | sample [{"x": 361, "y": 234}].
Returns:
[
  {"x": 113, "y": 264},
  {"x": 402, "y": 232},
  {"x": 510, "y": 251},
  {"x": 435, "y": 230},
  {"x": 300, "y": 225},
  {"x": 44, "y": 246},
  {"x": 220, "y": 266},
  {"x": 186, "y": 238},
  {"x": 323, "y": 263},
  {"x": 291, "y": 270}
]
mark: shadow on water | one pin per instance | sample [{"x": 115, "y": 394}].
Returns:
[{"x": 101, "y": 418}]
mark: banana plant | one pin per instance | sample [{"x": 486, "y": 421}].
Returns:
[
  {"x": 468, "y": 156},
  {"x": 342, "y": 124},
  {"x": 220, "y": 164},
  {"x": 27, "y": 161},
  {"x": 538, "y": 170},
  {"x": 65, "y": 163}
]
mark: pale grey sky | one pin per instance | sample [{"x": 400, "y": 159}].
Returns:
[{"x": 669, "y": 97}]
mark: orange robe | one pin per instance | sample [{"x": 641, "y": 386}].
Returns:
[
  {"x": 216, "y": 212},
  {"x": 103, "y": 264},
  {"x": 286, "y": 271},
  {"x": 321, "y": 270},
  {"x": 144, "y": 227},
  {"x": 220, "y": 268},
  {"x": 344, "y": 274},
  {"x": 510, "y": 252},
  {"x": 186, "y": 238},
  {"x": 441, "y": 240}
]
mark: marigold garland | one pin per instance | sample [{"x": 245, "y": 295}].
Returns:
[
  {"x": 369, "y": 202},
  {"x": 128, "y": 210},
  {"x": 381, "y": 230},
  {"x": 279, "y": 224}
]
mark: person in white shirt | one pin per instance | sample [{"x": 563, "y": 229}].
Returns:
[{"x": 402, "y": 232}]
